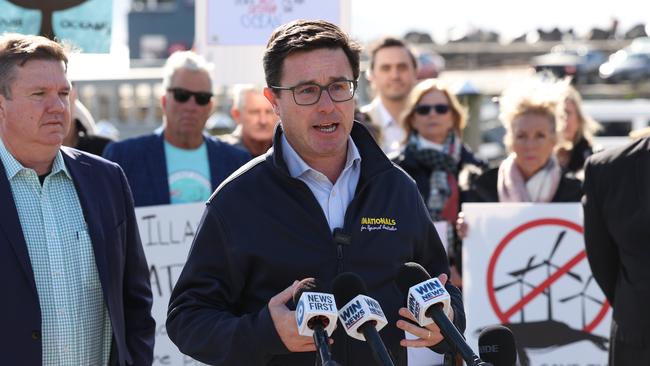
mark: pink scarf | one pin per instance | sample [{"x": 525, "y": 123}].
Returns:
[{"x": 541, "y": 187}]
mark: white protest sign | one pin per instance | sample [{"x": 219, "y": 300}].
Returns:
[
  {"x": 232, "y": 34},
  {"x": 524, "y": 266},
  {"x": 167, "y": 233}
]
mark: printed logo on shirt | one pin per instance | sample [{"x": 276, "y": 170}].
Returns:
[{"x": 378, "y": 223}]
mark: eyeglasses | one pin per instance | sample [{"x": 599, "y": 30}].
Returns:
[
  {"x": 309, "y": 93},
  {"x": 183, "y": 95},
  {"x": 425, "y": 109}
]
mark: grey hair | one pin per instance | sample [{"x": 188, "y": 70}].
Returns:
[
  {"x": 240, "y": 91},
  {"x": 185, "y": 60}
]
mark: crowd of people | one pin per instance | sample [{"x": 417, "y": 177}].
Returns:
[{"x": 311, "y": 166}]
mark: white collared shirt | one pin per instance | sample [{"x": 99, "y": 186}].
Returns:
[
  {"x": 333, "y": 198},
  {"x": 393, "y": 134}
]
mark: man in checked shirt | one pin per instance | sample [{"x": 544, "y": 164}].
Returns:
[{"x": 75, "y": 283}]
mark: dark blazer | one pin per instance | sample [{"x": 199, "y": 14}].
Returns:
[
  {"x": 143, "y": 161},
  {"x": 484, "y": 189},
  {"x": 617, "y": 234},
  {"x": 108, "y": 210}
]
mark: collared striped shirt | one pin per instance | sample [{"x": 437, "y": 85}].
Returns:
[{"x": 75, "y": 326}]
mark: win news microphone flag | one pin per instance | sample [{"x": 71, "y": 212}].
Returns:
[
  {"x": 361, "y": 316},
  {"x": 427, "y": 300}
]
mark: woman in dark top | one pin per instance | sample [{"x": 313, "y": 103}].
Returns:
[
  {"x": 434, "y": 154},
  {"x": 577, "y": 131},
  {"x": 531, "y": 172}
]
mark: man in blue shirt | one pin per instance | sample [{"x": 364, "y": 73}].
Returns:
[
  {"x": 76, "y": 288},
  {"x": 180, "y": 164}
]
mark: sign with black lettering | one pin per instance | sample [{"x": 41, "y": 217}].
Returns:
[
  {"x": 167, "y": 233},
  {"x": 525, "y": 266},
  {"x": 86, "y": 24}
]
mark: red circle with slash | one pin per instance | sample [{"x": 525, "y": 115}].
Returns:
[{"x": 505, "y": 316}]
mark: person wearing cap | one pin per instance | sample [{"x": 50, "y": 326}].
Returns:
[{"x": 181, "y": 163}]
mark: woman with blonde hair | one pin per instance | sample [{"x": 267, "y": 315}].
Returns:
[
  {"x": 577, "y": 130},
  {"x": 531, "y": 172},
  {"x": 434, "y": 153}
]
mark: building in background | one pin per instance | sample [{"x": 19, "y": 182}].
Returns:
[{"x": 157, "y": 28}]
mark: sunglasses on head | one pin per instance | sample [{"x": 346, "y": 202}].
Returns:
[
  {"x": 425, "y": 109},
  {"x": 183, "y": 95}
]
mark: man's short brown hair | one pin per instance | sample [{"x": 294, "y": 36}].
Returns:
[
  {"x": 303, "y": 36},
  {"x": 16, "y": 49},
  {"x": 390, "y": 42}
]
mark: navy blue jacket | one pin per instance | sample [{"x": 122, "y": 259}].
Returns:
[
  {"x": 108, "y": 210},
  {"x": 263, "y": 229},
  {"x": 143, "y": 161}
]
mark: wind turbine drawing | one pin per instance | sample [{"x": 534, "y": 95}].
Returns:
[
  {"x": 47, "y": 8},
  {"x": 583, "y": 297}
]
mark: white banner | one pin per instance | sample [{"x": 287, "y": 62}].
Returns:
[
  {"x": 524, "y": 266},
  {"x": 250, "y": 22},
  {"x": 232, "y": 34},
  {"x": 167, "y": 233}
]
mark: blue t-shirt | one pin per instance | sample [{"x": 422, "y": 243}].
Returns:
[{"x": 188, "y": 173}]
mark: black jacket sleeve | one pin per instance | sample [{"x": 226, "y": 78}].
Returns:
[
  {"x": 139, "y": 324},
  {"x": 602, "y": 252},
  {"x": 203, "y": 320}
]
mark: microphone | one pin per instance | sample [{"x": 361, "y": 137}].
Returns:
[
  {"x": 316, "y": 316},
  {"x": 361, "y": 316},
  {"x": 496, "y": 345},
  {"x": 427, "y": 300}
]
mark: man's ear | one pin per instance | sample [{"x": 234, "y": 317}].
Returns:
[
  {"x": 271, "y": 97},
  {"x": 3, "y": 107},
  {"x": 235, "y": 114},
  {"x": 163, "y": 102}
]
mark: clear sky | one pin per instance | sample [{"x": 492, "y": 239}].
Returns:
[{"x": 372, "y": 19}]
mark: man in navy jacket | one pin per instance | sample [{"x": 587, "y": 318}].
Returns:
[
  {"x": 75, "y": 281},
  {"x": 324, "y": 200},
  {"x": 181, "y": 163}
]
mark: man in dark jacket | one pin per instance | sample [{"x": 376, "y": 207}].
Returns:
[
  {"x": 75, "y": 283},
  {"x": 322, "y": 201},
  {"x": 617, "y": 212},
  {"x": 181, "y": 163}
]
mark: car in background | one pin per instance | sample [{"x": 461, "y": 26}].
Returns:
[
  {"x": 625, "y": 65},
  {"x": 577, "y": 61},
  {"x": 430, "y": 64},
  {"x": 619, "y": 119}
]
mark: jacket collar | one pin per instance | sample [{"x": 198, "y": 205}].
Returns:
[{"x": 373, "y": 159}]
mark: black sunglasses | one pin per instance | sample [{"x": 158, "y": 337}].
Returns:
[
  {"x": 183, "y": 95},
  {"x": 425, "y": 109}
]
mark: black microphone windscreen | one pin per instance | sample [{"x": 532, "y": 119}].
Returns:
[
  {"x": 410, "y": 274},
  {"x": 496, "y": 345},
  {"x": 346, "y": 286}
]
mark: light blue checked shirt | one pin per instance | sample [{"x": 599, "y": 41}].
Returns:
[
  {"x": 333, "y": 198},
  {"x": 75, "y": 326}
]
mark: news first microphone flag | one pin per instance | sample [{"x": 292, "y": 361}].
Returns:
[{"x": 315, "y": 304}]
